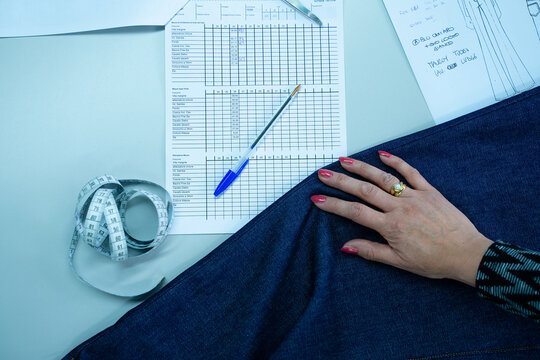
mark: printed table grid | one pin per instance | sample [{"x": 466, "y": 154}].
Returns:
[
  {"x": 224, "y": 84},
  {"x": 235, "y": 118},
  {"x": 266, "y": 179},
  {"x": 251, "y": 55},
  {"x": 230, "y": 120}
]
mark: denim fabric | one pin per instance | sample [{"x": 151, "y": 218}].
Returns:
[{"x": 280, "y": 288}]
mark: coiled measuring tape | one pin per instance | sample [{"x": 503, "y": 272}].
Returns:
[{"x": 100, "y": 222}]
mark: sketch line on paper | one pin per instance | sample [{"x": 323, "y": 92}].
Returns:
[
  {"x": 507, "y": 74},
  {"x": 534, "y": 11}
]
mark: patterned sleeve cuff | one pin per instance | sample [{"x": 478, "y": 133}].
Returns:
[{"x": 510, "y": 277}]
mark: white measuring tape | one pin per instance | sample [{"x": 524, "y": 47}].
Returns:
[{"x": 100, "y": 222}]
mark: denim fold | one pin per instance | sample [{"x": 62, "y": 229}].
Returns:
[{"x": 280, "y": 288}]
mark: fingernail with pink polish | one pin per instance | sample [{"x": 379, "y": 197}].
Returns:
[
  {"x": 346, "y": 160},
  {"x": 318, "y": 198},
  {"x": 349, "y": 250},
  {"x": 325, "y": 173},
  {"x": 384, "y": 153}
]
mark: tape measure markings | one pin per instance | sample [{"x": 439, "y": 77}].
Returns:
[{"x": 100, "y": 214}]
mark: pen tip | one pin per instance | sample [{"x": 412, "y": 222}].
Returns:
[{"x": 296, "y": 90}]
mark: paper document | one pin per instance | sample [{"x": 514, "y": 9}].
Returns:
[
  {"x": 47, "y": 17},
  {"x": 468, "y": 54},
  {"x": 230, "y": 65}
]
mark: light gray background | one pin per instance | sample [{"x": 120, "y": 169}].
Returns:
[{"x": 76, "y": 106}]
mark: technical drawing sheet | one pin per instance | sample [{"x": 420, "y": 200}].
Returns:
[
  {"x": 230, "y": 65},
  {"x": 468, "y": 54}
]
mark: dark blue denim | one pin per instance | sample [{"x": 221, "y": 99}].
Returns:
[{"x": 280, "y": 288}]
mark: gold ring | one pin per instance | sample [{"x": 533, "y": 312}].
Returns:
[{"x": 397, "y": 189}]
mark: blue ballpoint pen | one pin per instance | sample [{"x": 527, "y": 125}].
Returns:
[{"x": 233, "y": 173}]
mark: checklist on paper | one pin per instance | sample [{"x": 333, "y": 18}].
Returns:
[{"x": 229, "y": 66}]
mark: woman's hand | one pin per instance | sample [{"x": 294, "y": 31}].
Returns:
[{"x": 426, "y": 234}]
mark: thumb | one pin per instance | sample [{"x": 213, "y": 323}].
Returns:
[{"x": 371, "y": 251}]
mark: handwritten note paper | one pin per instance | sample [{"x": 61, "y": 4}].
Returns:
[{"x": 468, "y": 54}]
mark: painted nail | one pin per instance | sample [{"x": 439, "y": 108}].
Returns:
[
  {"x": 384, "y": 153},
  {"x": 349, "y": 250},
  {"x": 346, "y": 160},
  {"x": 318, "y": 198},
  {"x": 325, "y": 173}
]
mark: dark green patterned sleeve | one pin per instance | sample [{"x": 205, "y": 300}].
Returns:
[{"x": 510, "y": 277}]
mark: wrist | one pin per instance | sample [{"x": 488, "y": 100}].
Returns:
[{"x": 471, "y": 256}]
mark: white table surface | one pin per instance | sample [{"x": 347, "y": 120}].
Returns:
[{"x": 58, "y": 93}]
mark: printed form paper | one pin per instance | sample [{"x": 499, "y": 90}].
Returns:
[
  {"x": 47, "y": 17},
  {"x": 230, "y": 65},
  {"x": 468, "y": 54}
]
